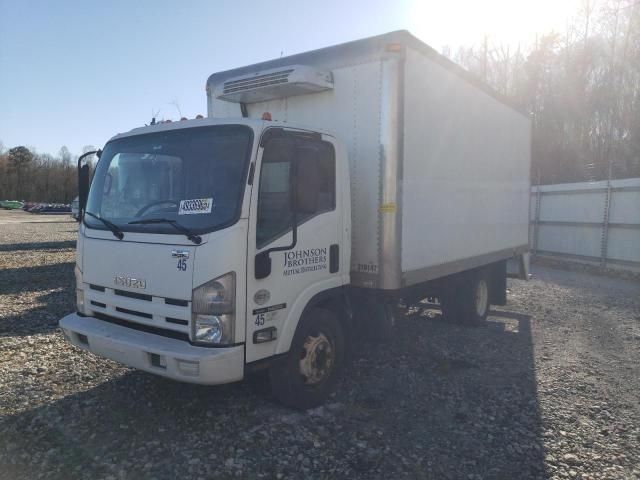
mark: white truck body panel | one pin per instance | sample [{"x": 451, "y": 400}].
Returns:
[
  {"x": 439, "y": 165},
  {"x": 465, "y": 171},
  {"x": 357, "y": 126}
]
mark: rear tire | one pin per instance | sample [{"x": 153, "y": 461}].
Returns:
[
  {"x": 466, "y": 300},
  {"x": 375, "y": 321},
  {"x": 305, "y": 377}
]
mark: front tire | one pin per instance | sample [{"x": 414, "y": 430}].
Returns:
[{"x": 306, "y": 375}]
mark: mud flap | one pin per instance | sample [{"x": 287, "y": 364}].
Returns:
[{"x": 518, "y": 267}]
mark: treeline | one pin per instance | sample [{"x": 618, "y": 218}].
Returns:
[
  {"x": 582, "y": 87},
  {"x": 26, "y": 175}
]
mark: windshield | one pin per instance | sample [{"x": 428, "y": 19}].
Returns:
[{"x": 193, "y": 176}]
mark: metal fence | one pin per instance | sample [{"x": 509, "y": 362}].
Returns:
[{"x": 595, "y": 222}]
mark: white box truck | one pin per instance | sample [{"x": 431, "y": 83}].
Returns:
[{"x": 321, "y": 189}]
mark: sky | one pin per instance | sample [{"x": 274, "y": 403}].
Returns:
[{"x": 76, "y": 73}]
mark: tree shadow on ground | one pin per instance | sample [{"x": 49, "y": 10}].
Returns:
[
  {"x": 37, "y": 278},
  {"x": 463, "y": 396},
  {"x": 17, "y": 247},
  {"x": 437, "y": 401},
  {"x": 47, "y": 289},
  {"x": 42, "y": 318}
]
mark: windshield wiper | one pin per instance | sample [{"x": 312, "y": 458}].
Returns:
[
  {"x": 188, "y": 233},
  {"x": 111, "y": 226}
]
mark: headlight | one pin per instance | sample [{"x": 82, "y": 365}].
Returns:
[
  {"x": 213, "y": 314},
  {"x": 79, "y": 290},
  {"x": 216, "y": 329},
  {"x": 217, "y": 296}
]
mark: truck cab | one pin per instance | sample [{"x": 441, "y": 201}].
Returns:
[{"x": 204, "y": 241}]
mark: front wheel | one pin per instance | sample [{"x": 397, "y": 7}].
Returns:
[{"x": 306, "y": 376}]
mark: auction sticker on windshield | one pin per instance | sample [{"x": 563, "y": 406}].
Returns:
[{"x": 197, "y": 205}]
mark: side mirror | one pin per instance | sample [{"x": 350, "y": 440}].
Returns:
[
  {"x": 83, "y": 181},
  {"x": 307, "y": 190},
  {"x": 83, "y": 187},
  {"x": 263, "y": 265}
]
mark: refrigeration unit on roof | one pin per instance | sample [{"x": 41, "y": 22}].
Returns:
[{"x": 274, "y": 83}]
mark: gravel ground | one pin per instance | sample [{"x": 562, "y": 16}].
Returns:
[{"x": 547, "y": 389}]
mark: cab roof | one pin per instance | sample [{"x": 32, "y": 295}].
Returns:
[{"x": 254, "y": 124}]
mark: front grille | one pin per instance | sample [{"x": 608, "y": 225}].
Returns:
[
  {"x": 170, "y": 314},
  {"x": 179, "y": 303},
  {"x": 143, "y": 328},
  {"x": 134, "y": 312},
  {"x": 177, "y": 321},
  {"x": 138, "y": 296}
]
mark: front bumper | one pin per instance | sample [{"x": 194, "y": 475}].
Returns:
[{"x": 153, "y": 353}]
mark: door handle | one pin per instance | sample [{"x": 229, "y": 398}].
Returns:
[{"x": 334, "y": 258}]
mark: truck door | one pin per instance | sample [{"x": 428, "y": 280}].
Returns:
[{"x": 293, "y": 251}]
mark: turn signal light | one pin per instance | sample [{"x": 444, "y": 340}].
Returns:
[{"x": 265, "y": 335}]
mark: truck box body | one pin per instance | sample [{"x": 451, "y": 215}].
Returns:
[{"x": 439, "y": 163}]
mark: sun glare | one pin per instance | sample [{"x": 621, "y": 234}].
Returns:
[{"x": 467, "y": 22}]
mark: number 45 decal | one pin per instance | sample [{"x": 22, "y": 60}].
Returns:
[{"x": 182, "y": 264}]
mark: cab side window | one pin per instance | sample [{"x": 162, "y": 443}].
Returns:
[{"x": 274, "y": 216}]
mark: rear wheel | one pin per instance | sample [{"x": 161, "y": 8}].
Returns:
[
  {"x": 374, "y": 320},
  {"x": 467, "y": 299},
  {"x": 306, "y": 376}
]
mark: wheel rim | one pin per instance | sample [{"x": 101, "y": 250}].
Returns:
[
  {"x": 316, "y": 359},
  {"x": 482, "y": 298}
]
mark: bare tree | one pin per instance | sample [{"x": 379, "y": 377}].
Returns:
[{"x": 582, "y": 88}]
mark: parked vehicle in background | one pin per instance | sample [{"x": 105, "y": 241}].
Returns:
[
  {"x": 11, "y": 204},
  {"x": 49, "y": 208},
  {"x": 245, "y": 243},
  {"x": 75, "y": 212},
  {"x": 56, "y": 208},
  {"x": 35, "y": 208}
]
